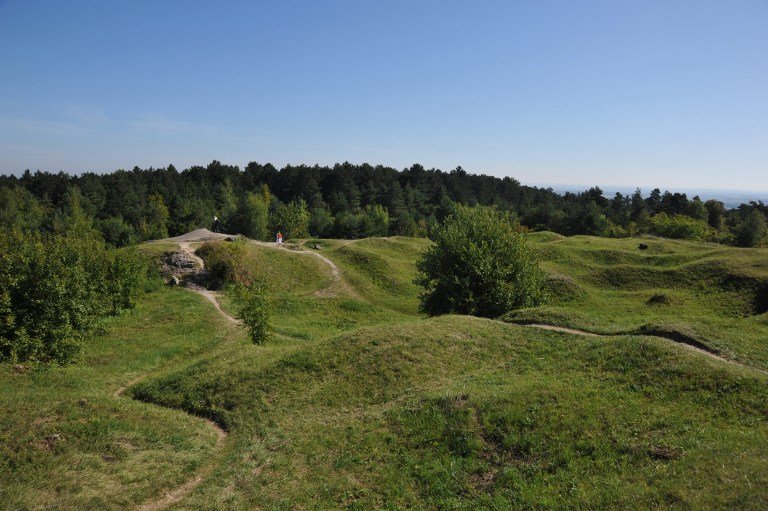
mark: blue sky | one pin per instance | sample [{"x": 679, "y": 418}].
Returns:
[{"x": 666, "y": 93}]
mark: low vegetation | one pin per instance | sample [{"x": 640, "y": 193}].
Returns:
[
  {"x": 360, "y": 402},
  {"x": 55, "y": 289},
  {"x": 67, "y": 442},
  {"x": 478, "y": 265},
  {"x": 714, "y": 294}
]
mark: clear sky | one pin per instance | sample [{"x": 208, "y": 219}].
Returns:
[{"x": 669, "y": 93}]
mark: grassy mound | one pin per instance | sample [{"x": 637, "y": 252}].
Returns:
[
  {"x": 464, "y": 413},
  {"x": 715, "y": 294},
  {"x": 382, "y": 270},
  {"x": 360, "y": 403},
  {"x": 68, "y": 443}
]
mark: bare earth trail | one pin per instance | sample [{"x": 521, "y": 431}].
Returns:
[
  {"x": 176, "y": 494},
  {"x": 686, "y": 345},
  {"x": 338, "y": 279},
  {"x": 209, "y": 295}
]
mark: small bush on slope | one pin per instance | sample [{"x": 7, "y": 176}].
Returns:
[
  {"x": 479, "y": 265},
  {"x": 227, "y": 261},
  {"x": 254, "y": 310}
]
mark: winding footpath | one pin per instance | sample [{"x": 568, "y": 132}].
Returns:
[
  {"x": 336, "y": 275},
  {"x": 209, "y": 295},
  {"x": 707, "y": 352},
  {"x": 176, "y": 494}
]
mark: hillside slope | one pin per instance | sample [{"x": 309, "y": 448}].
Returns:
[
  {"x": 359, "y": 402},
  {"x": 716, "y": 295}
]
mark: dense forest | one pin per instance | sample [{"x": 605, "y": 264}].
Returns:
[{"x": 345, "y": 201}]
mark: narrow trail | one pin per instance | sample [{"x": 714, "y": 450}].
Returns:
[
  {"x": 338, "y": 279},
  {"x": 209, "y": 295},
  {"x": 688, "y": 345},
  {"x": 174, "y": 495},
  {"x": 213, "y": 296}
]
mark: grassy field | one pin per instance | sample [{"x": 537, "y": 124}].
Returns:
[
  {"x": 361, "y": 403},
  {"x": 69, "y": 443},
  {"x": 715, "y": 294}
]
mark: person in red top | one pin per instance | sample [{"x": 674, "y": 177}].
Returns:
[{"x": 279, "y": 237}]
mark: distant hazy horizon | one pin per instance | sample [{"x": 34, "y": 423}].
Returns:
[{"x": 730, "y": 197}]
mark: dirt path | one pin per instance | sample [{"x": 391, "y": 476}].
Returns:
[
  {"x": 338, "y": 279},
  {"x": 211, "y": 296},
  {"x": 679, "y": 342},
  {"x": 176, "y": 494}
]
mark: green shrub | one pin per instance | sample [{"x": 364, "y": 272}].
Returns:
[
  {"x": 479, "y": 264},
  {"x": 127, "y": 279},
  {"x": 681, "y": 227},
  {"x": 54, "y": 289},
  {"x": 227, "y": 261},
  {"x": 253, "y": 309}
]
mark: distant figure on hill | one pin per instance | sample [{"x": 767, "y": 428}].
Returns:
[
  {"x": 279, "y": 239},
  {"x": 215, "y": 223}
]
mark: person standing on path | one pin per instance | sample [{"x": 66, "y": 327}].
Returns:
[
  {"x": 279, "y": 239},
  {"x": 215, "y": 223}
]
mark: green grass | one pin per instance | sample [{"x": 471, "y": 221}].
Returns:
[
  {"x": 382, "y": 270},
  {"x": 359, "y": 402},
  {"x": 464, "y": 413},
  {"x": 716, "y": 294},
  {"x": 111, "y": 451}
]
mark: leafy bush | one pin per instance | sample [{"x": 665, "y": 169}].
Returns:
[
  {"x": 227, "y": 261},
  {"x": 53, "y": 290},
  {"x": 254, "y": 310},
  {"x": 480, "y": 265},
  {"x": 127, "y": 278},
  {"x": 681, "y": 227}
]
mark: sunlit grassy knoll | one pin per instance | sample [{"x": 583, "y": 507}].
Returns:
[
  {"x": 464, "y": 413},
  {"x": 69, "y": 443},
  {"x": 716, "y": 294},
  {"x": 302, "y": 310},
  {"x": 382, "y": 269},
  {"x": 362, "y": 403}
]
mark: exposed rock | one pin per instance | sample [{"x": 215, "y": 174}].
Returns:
[
  {"x": 174, "y": 281},
  {"x": 179, "y": 260}
]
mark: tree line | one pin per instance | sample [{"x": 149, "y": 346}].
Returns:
[{"x": 348, "y": 201}]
